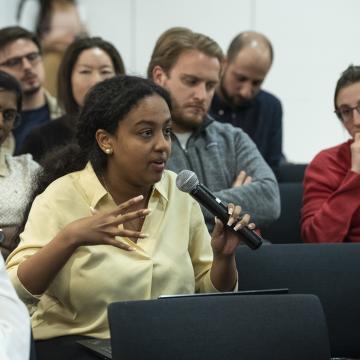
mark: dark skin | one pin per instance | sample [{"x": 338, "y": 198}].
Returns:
[{"x": 129, "y": 177}]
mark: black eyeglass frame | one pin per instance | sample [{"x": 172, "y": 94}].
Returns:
[
  {"x": 17, "y": 61},
  {"x": 339, "y": 114},
  {"x": 15, "y": 118}
]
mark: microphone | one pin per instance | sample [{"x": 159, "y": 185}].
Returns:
[{"x": 188, "y": 182}]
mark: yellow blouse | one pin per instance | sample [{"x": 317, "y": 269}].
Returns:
[{"x": 175, "y": 258}]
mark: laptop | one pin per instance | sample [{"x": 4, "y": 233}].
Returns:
[{"x": 102, "y": 347}]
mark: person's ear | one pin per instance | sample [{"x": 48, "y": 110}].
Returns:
[
  {"x": 105, "y": 141},
  {"x": 159, "y": 76}
]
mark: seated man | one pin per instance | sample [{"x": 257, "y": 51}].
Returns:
[
  {"x": 224, "y": 158},
  {"x": 240, "y": 101},
  {"x": 20, "y": 56}
]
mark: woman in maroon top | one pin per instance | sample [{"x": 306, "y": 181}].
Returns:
[{"x": 331, "y": 208}]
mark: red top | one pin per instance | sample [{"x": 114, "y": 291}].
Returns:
[{"x": 331, "y": 201}]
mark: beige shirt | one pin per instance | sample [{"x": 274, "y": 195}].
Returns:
[{"x": 175, "y": 258}]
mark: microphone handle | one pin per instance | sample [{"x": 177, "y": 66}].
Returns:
[{"x": 217, "y": 208}]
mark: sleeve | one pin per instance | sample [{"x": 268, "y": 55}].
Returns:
[
  {"x": 201, "y": 252},
  {"x": 14, "y": 322},
  {"x": 328, "y": 209},
  {"x": 39, "y": 230},
  {"x": 260, "y": 199},
  {"x": 274, "y": 154}
]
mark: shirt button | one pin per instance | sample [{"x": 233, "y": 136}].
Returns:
[{"x": 221, "y": 112}]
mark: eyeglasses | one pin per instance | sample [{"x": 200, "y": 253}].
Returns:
[
  {"x": 9, "y": 116},
  {"x": 15, "y": 62},
  {"x": 346, "y": 113}
]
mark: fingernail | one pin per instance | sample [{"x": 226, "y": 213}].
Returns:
[
  {"x": 230, "y": 222},
  {"x": 238, "y": 226},
  {"x": 144, "y": 235},
  {"x": 92, "y": 210},
  {"x": 140, "y": 197},
  {"x": 230, "y": 211}
]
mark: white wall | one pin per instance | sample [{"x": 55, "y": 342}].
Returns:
[{"x": 314, "y": 40}]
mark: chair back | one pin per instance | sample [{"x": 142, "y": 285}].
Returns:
[
  {"x": 330, "y": 271},
  {"x": 286, "y": 229},
  {"x": 290, "y": 172},
  {"x": 250, "y": 327}
]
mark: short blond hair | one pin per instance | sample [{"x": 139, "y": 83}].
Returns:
[{"x": 174, "y": 41}]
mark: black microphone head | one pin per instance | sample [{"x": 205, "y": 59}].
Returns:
[{"x": 187, "y": 181}]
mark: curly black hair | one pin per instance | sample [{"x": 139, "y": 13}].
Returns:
[{"x": 106, "y": 104}]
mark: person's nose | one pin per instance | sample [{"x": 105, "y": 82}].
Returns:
[
  {"x": 163, "y": 143},
  {"x": 246, "y": 90},
  {"x": 26, "y": 63},
  {"x": 200, "y": 92},
  {"x": 96, "y": 77},
  {"x": 356, "y": 117}
]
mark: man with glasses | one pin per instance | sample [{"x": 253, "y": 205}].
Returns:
[
  {"x": 20, "y": 56},
  {"x": 240, "y": 101}
]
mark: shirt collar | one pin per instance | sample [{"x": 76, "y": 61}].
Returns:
[{"x": 95, "y": 192}]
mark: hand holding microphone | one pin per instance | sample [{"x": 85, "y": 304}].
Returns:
[{"x": 188, "y": 182}]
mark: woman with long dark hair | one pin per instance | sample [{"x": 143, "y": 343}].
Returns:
[{"x": 86, "y": 62}]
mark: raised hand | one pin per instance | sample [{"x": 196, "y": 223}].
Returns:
[
  {"x": 355, "y": 153},
  {"x": 102, "y": 228},
  {"x": 225, "y": 242}
]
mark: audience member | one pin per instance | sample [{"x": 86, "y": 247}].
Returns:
[
  {"x": 16, "y": 172},
  {"x": 20, "y": 56},
  {"x": 240, "y": 101},
  {"x": 86, "y": 62},
  {"x": 14, "y": 322},
  {"x": 56, "y": 23},
  {"x": 224, "y": 158},
  {"x": 332, "y": 180},
  {"x": 122, "y": 200}
]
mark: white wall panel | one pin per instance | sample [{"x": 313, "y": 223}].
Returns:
[
  {"x": 220, "y": 19},
  {"x": 314, "y": 41}
]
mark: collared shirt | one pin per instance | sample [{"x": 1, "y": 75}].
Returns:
[
  {"x": 175, "y": 258},
  {"x": 17, "y": 175},
  {"x": 14, "y": 321}
]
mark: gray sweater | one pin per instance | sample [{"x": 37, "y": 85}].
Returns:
[{"x": 217, "y": 153}]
